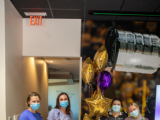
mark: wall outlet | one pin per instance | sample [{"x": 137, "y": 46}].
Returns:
[
  {"x": 9, "y": 118},
  {"x": 16, "y": 117}
]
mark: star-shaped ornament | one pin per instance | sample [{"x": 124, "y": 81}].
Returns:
[{"x": 98, "y": 105}]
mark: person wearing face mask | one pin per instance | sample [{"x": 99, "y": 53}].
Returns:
[
  {"x": 62, "y": 109},
  {"x": 115, "y": 113},
  {"x": 33, "y": 104},
  {"x": 133, "y": 109}
]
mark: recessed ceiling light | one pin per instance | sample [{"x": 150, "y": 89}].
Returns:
[
  {"x": 50, "y": 61},
  {"x": 35, "y": 13}
]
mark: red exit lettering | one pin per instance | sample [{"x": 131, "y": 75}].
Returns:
[{"x": 35, "y": 20}]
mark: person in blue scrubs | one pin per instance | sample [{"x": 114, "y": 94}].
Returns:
[
  {"x": 62, "y": 110},
  {"x": 33, "y": 104}
]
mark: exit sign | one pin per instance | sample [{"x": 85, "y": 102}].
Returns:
[{"x": 35, "y": 20}]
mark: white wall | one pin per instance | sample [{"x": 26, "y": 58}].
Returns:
[
  {"x": 58, "y": 38},
  {"x": 71, "y": 90},
  {"x": 23, "y": 74},
  {"x": 2, "y": 61}
]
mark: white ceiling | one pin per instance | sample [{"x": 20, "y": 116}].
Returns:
[{"x": 63, "y": 65}]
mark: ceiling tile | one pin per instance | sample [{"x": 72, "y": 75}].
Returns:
[
  {"x": 140, "y": 5},
  {"x": 112, "y": 5},
  {"x": 158, "y": 9},
  {"x": 30, "y": 3},
  {"x": 70, "y": 14},
  {"x": 67, "y": 4}
]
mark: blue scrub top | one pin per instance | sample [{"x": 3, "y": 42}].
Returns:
[
  {"x": 57, "y": 114},
  {"x": 27, "y": 115}
]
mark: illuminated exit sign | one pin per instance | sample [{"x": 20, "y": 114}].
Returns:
[{"x": 35, "y": 20}]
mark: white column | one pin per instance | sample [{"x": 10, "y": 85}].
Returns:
[{"x": 2, "y": 62}]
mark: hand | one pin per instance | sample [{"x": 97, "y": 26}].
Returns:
[{"x": 109, "y": 70}]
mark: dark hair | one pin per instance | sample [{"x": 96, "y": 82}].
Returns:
[
  {"x": 58, "y": 104},
  {"x": 30, "y": 95},
  {"x": 116, "y": 99}
]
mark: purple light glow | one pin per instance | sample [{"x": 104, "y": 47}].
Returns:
[{"x": 157, "y": 109}]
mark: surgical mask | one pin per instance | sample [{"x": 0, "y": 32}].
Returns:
[
  {"x": 64, "y": 104},
  {"x": 134, "y": 113},
  {"x": 35, "y": 106},
  {"x": 116, "y": 108}
]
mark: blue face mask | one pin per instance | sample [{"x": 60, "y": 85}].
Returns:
[
  {"x": 134, "y": 113},
  {"x": 116, "y": 108},
  {"x": 35, "y": 106},
  {"x": 64, "y": 104}
]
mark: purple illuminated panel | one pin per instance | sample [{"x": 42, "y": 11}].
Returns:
[{"x": 157, "y": 109}]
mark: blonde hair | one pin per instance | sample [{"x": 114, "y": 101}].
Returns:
[{"x": 133, "y": 104}]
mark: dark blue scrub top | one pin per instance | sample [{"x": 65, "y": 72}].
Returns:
[{"x": 27, "y": 115}]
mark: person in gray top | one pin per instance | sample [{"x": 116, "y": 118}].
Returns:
[
  {"x": 62, "y": 110},
  {"x": 133, "y": 109}
]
